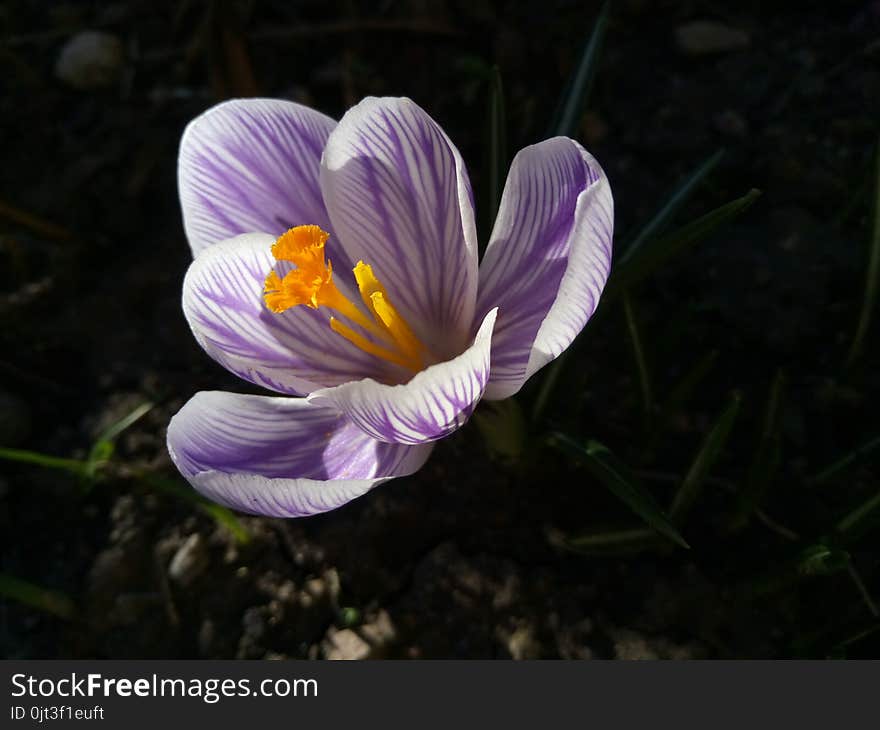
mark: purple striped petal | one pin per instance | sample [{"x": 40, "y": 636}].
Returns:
[
  {"x": 399, "y": 198},
  {"x": 251, "y": 165},
  {"x": 280, "y": 456},
  {"x": 294, "y": 352},
  {"x": 548, "y": 258},
  {"x": 432, "y": 405}
]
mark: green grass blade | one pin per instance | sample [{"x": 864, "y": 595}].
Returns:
[
  {"x": 35, "y": 596},
  {"x": 609, "y": 543},
  {"x": 548, "y": 384},
  {"x": 114, "y": 430},
  {"x": 635, "y": 339},
  {"x": 680, "y": 395},
  {"x": 574, "y": 99},
  {"x": 220, "y": 514},
  {"x": 104, "y": 445},
  {"x": 767, "y": 456},
  {"x": 705, "y": 459},
  {"x": 859, "y": 583},
  {"x": 682, "y": 392},
  {"x": 630, "y": 272},
  {"x": 872, "y": 279},
  {"x": 74, "y": 466},
  {"x": 608, "y": 470},
  {"x": 626, "y": 275},
  {"x": 497, "y": 143},
  {"x": 853, "y": 520},
  {"x": 845, "y": 461},
  {"x": 822, "y": 559},
  {"x": 672, "y": 205},
  {"x": 855, "y": 638}
]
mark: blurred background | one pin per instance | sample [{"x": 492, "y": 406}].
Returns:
[{"x": 723, "y": 397}]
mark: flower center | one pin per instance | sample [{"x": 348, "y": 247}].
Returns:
[{"x": 311, "y": 283}]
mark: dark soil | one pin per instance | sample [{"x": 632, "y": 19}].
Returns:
[{"x": 464, "y": 558}]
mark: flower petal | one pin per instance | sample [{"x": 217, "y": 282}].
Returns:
[
  {"x": 399, "y": 199},
  {"x": 547, "y": 260},
  {"x": 292, "y": 352},
  {"x": 280, "y": 456},
  {"x": 436, "y": 402},
  {"x": 251, "y": 165}
]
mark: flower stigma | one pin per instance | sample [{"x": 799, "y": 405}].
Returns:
[{"x": 311, "y": 284}]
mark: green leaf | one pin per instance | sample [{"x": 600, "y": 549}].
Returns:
[
  {"x": 840, "y": 648},
  {"x": 680, "y": 395},
  {"x": 503, "y": 427},
  {"x": 220, "y": 514},
  {"x": 618, "y": 542},
  {"x": 30, "y": 594},
  {"x": 574, "y": 99},
  {"x": 649, "y": 260},
  {"x": 672, "y": 205},
  {"x": 635, "y": 339},
  {"x": 767, "y": 456},
  {"x": 822, "y": 560},
  {"x": 104, "y": 445},
  {"x": 859, "y": 583},
  {"x": 627, "y": 273},
  {"x": 112, "y": 432},
  {"x": 872, "y": 278},
  {"x": 709, "y": 452},
  {"x": 845, "y": 461},
  {"x": 73, "y": 466},
  {"x": 608, "y": 470},
  {"x": 854, "y": 520},
  {"x": 548, "y": 383}
]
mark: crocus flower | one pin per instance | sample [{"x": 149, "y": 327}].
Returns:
[{"x": 337, "y": 263}]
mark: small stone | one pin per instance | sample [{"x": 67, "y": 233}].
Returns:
[
  {"x": 379, "y": 632},
  {"x": 522, "y": 644},
  {"x": 345, "y": 645},
  {"x": 253, "y": 624},
  {"x": 190, "y": 560},
  {"x": 90, "y": 60},
  {"x": 706, "y": 37}
]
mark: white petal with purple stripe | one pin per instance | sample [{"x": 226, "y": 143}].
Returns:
[
  {"x": 280, "y": 456},
  {"x": 436, "y": 402},
  {"x": 294, "y": 352},
  {"x": 547, "y": 260},
  {"x": 399, "y": 198},
  {"x": 251, "y": 165}
]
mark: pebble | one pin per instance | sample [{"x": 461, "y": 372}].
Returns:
[
  {"x": 380, "y": 632},
  {"x": 190, "y": 560},
  {"x": 90, "y": 60},
  {"x": 522, "y": 644},
  {"x": 706, "y": 37},
  {"x": 345, "y": 645}
]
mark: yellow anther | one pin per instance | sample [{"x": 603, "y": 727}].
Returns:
[
  {"x": 368, "y": 284},
  {"x": 397, "y": 327},
  {"x": 370, "y": 347},
  {"x": 300, "y": 243},
  {"x": 311, "y": 283}
]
